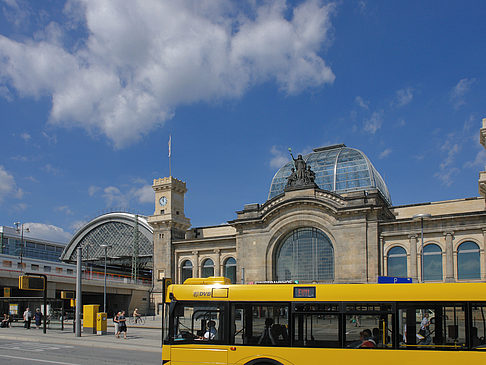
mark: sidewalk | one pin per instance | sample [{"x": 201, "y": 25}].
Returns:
[{"x": 139, "y": 338}]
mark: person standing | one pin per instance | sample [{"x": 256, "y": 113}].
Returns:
[
  {"x": 27, "y": 318},
  {"x": 38, "y": 318},
  {"x": 425, "y": 329},
  {"x": 117, "y": 324},
  {"x": 122, "y": 325}
]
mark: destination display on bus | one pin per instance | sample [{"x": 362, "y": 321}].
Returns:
[{"x": 304, "y": 292}]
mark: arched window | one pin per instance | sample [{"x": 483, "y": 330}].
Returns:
[
  {"x": 207, "y": 268},
  {"x": 432, "y": 263},
  {"x": 306, "y": 254},
  {"x": 230, "y": 269},
  {"x": 468, "y": 266},
  {"x": 186, "y": 270},
  {"x": 397, "y": 262}
]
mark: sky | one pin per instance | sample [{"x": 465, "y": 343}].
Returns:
[{"x": 90, "y": 92}]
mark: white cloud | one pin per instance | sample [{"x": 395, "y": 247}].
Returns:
[
  {"x": 51, "y": 169},
  {"x": 114, "y": 198},
  {"x": 26, "y": 137},
  {"x": 48, "y": 232},
  {"x": 50, "y": 139},
  {"x": 447, "y": 170},
  {"x": 403, "y": 97},
  {"x": 385, "y": 153},
  {"x": 92, "y": 190},
  {"x": 142, "y": 59},
  {"x": 279, "y": 157},
  {"x": 360, "y": 101},
  {"x": 8, "y": 187},
  {"x": 479, "y": 160},
  {"x": 373, "y": 123},
  {"x": 64, "y": 209},
  {"x": 145, "y": 194},
  {"x": 5, "y": 93},
  {"x": 458, "y": 92}
]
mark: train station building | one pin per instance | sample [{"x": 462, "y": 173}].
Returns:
[{"x": 342, "y": 228}]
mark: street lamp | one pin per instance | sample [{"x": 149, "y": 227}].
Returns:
[
  {"x": 422, "y": 216},
  {"x": 105, "y": 246},
  {"x": 19, "y": 227}
]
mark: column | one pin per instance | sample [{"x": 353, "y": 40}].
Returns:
[
  {"x": 217, "y": 264},
  {"x": 449, "y": 237},
  {"x": 482, "y": 251},
  {"x": 195, "y": 270},
  {"x": 413, "y": 258}
]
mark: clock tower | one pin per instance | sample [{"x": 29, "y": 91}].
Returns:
[{"x": 168, "y": 223}]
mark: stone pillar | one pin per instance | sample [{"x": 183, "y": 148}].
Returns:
[
  {"x": 217, "y": 265},
  {"x": 482, "y": 251},
  {"x": 195, "y": 270},
  {"x": 413, "y": 264},
  {"x": 449, "y": 237}
]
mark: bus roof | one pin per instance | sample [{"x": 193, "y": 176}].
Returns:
[{"x": 330, "y": 292}]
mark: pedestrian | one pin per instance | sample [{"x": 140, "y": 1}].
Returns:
[
  {"x": 122, "y": 325},
  {"x": 38, "y": 318},
  {"x": 5, "y": 321},
  {"x": 27, "y": 318},
  {"x": 117, "y": 324}
]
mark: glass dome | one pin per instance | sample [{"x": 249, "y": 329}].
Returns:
[{"x": 338, "y": 169}]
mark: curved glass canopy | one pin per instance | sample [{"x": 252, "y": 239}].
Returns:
[{"x": 338, "y": 169}]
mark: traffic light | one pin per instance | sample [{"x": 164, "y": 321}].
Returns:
[
  {"x": 68, "y": 294},
  {"x": 27, "y": 282}
]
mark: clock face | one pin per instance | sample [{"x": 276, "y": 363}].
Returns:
[{"x": 163, "y": 201}]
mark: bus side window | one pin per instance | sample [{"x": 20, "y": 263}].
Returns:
[
  {"x": 270, "y": 325},
  {"x": 478, "y": 328}
]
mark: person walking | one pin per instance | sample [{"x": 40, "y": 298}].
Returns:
[
  {"x": 117, "y": 324},
  {"x": 27, "y": 318},
  {"x": 38, "y": 318}
]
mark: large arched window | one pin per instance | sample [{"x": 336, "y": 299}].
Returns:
[
  {"x": 397, "y": 262},
  {"x": 432, "y": 263},
  {"x": 230, "y": 269},
  {"x": 186, "y": 270},
  {"x": 306, "y": 254},
  {"x": 468, "y": 264},
  {"x": 207, "y": 268}
]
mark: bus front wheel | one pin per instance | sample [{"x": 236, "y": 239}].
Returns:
[{"x": 263, "y": 362}]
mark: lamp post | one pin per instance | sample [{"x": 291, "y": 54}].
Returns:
[
  {"x": 19, "y": 227},
  {"x": 105, "y": 246},
  {"x": 422, "y": 216}
]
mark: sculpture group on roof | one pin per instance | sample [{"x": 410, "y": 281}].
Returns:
[{"x": 301, "y": 176}]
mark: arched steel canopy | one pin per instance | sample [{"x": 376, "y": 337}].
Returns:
[{"x": 118, "y": 230}]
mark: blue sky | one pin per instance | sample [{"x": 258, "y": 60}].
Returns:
[{"x": 91, "y": 90}]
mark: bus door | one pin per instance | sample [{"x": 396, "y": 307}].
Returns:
[{"x": 198, "y": 334}]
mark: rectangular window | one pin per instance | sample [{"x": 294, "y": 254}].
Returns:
[
  {"x": 70, "y": 271},
  {"x": 368, "y": 330},
  {"x": 263, "y": 325},
  {"x": 432, "y": 326},
  {"x": 34, "y": 267},
  {"x": 316, "y": 330},
  {"x": 47, "y": 269},
  {"x": 478, "y": 327},
  {"x": 198, "y": 323},
  {"x": 59, "y": 270},
  {"x": 21, "y": 265}
]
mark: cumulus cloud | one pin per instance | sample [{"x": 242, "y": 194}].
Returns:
[
  {"x": 279, "y": 157},
  {"x": 48, "y": 232},
  {"x": 145, "y": 194},
  {"x": 403, "y": 97},
  {"x": 373, "y": 123},
  {"x": 142, "y": 59},
  {"x": 64, "y": 209},
  {"x": 8, "y": 187},
  {"x": 26, "y": 137},
  {"x": 447, "y": 170},
  {"x": 458, "y": 92},
  {"x": 122, "y": 197}
]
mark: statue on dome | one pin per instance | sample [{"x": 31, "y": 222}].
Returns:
[{"x": 301, "y": 176}]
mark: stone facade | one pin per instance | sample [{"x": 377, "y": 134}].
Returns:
[{"x": 361, "y": 226}]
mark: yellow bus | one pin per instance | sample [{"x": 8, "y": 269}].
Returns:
[{"x": 210, "y": 321}]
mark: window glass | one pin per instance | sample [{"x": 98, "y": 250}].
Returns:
[
  {"x": 367, "y": 330},
  {"x": 230, "y": 269},
  {"x": 198, "y": 323},
  {"x": 397, "y": 262},
  {"x": 186, "y": 270},
  {"x": 307, "y": 255},
  {"x": 315, "y": 326},
  {"x": 437, "y": 326},
  {"x": 468, "y": 264},
  {"x": 263, "y": 325},
  {"x": 207, "y": 268},
  {"x": 432, "y": 263},
  {"x": 478, "y": 328}
]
